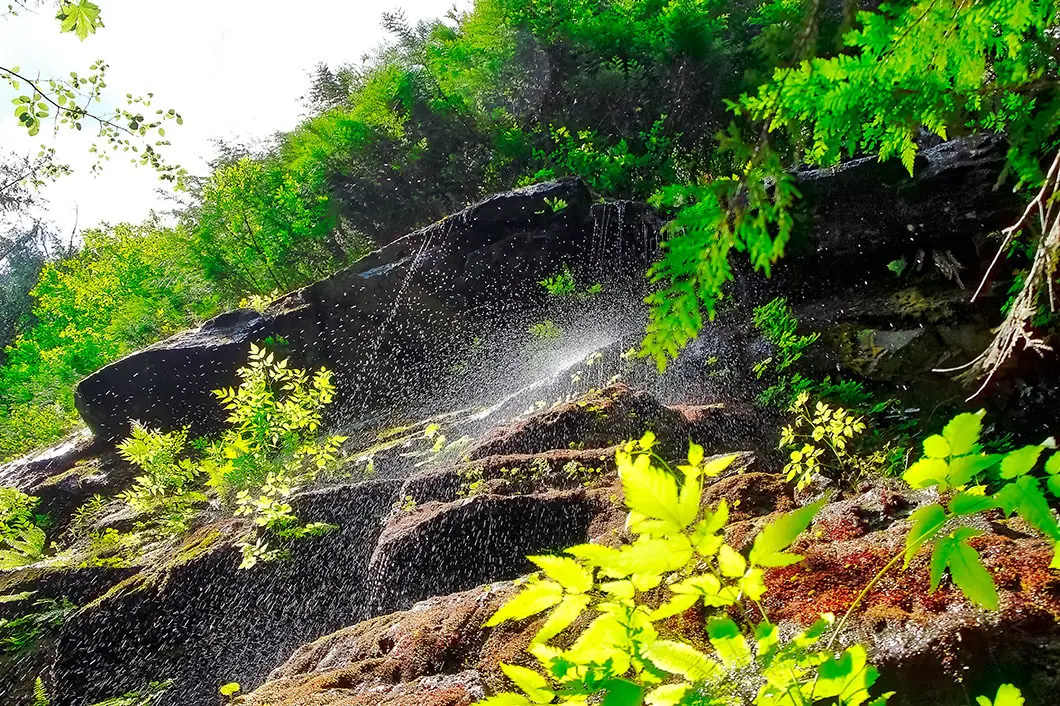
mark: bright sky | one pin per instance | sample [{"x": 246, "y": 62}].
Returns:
[{"x": 234, "y": 69}]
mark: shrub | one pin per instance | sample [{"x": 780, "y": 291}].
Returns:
[{"x": 268, "y": 452}]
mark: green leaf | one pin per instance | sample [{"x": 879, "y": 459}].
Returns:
[
  {"x": 682, "y": 659},
  {"x": 936, "y": 447},
  {"x": 730, "y": 562},
  {"x": 650, "y": 555},
  {"x": 965, "y": 468},
  {"x": 230, "y": 689},
  {"x": 1052, "y": 466},
  {"x": 1019, "y": 462},
  {"x": 566, "y": 572},
  {"x": 561, "y": 617},
  {"x": 81, "y": 19},
  {"x": 966, "y": 569},
  {"x": 769, "y": 545},
  {"x": 533, "y": 684},
  {"x": 962, "y": 433},
  {"x": 966, "y": 503},
  {"x": 927, "y": 521},
  {"x": 675, "y": 606},
  {"x": 927, "y": 472},
  {"x": 534, "y": 598},
  {"x": 1026, "y": 498},
  {"x": 622, "y": 692},
  {"x": 1053, "y": 483},
  {"x": 847, "y": 678},
  {"x": 730, "y": 643},
  {"x": 667, "y": 695},
  {"x": 1007, "y": 695},
  {"x": 652, "y": 492}
]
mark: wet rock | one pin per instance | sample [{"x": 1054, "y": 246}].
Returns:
[
  {"x": 200, "y": 621},
  {"x": 68, "y": 475},
  {"x": 434, "y": 654},
  {"x": 412, "y": 309},
  {"x": 521, "y": 473},
  {"x": 597, "y": 420},
  {"x": 440, "y": 548},
  {"x": 931, "y": 647},
  {"x": 951, "y": 196}
]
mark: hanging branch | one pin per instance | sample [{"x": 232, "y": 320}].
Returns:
[{"x": 1016, "y": 328}]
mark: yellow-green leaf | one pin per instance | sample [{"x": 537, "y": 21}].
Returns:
[
  {"x": 562, "y": 616},
  {"x": 730, "y": 643},
  {"x": 769, "y": 545},
  {"x": 566, "y": 572},
  {"x": 534, "y": 598},
  {"x": 684, "y": 660},
  {"x": 533, "y": 684}
]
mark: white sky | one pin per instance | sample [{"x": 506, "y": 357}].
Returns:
[{"x": 234, "y": 69}]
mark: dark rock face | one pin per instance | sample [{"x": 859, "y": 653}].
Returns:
[
  {"x": 864, "y": 211},
  {"x": 390, "y": 325},
  {"x": 201, "y": 622},
  {"x": 484, "y": 538}
]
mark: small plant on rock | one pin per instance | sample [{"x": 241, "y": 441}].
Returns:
[
  {"x": 608, "y": 605},
  {"x": 18, "y": 634},
  {"x": 270, "y": 450},
  {"x": 679, "y": 560},
  {"x": 22, "y": 541},
  {"x": 820, "y": 442}
]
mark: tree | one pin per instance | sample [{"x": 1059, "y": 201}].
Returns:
[{"x": 68, "y": 102}]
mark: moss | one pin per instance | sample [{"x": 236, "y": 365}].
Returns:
[{"x": 196, "y": 545}]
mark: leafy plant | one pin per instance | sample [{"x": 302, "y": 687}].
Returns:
[
  {"x": 20, "y": 633},
  {"x": 86, "y": 514},
  {"x": 269, "y": 451},
  {"x": 21, "y": 540},
  {"x": 556, "y": 204},
  {"x": 546, "y": 330},
  {"x": 820, "y": 443},
  {"x": 678, "y": 560},
  {"x": 40, "y": 694},
  {"x": 974, "y": 482},
  {"x": 777, "y": 323}
]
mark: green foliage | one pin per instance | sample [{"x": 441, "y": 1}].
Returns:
[
  {"x": 546, "y": 330},
  {"x": 678, "y": 560},
  {"x": 22, "y": 541},
  {"x": 86, "y": 514},
  {"x": 749, "y": 212},
  {"x": 147, "y": 695},
  {"x": 18, "y": 634},
  {"x": 269, "y": 451},
  {"x": 562, "y": 285},
  {"x": 40, "y": 694},
  {"x": 974, "y": 482},
  {"x": 127, "y": 287},
  {"x": 167, "y": 477},
  {"x": 1007, "y": 695},
  {"x": 946, "y": 67},
  {"x": 777, "y": 323},
  {"x": 67, "y": 103}
]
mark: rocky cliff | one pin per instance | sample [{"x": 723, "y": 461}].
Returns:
[{"x": 432, "y": 330}]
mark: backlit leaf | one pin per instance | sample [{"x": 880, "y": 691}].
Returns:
[
  {"x": 534, "y": 598},
  {"x": 769, "y": 545}
]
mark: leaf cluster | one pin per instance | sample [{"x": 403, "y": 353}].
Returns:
[{"x": 975, "y": 482}]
